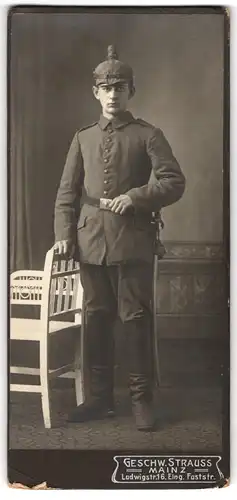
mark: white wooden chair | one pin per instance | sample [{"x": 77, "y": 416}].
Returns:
[{"x": 58, "y": 292}]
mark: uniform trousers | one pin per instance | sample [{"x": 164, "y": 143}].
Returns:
[{"x": 123, "y": 290}]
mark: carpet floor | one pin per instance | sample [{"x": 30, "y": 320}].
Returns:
[{"x": 189, "y": 419}]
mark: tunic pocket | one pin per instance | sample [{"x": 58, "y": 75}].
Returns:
[{"x": 81, "y": 222}]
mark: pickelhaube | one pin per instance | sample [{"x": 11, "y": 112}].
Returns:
[{"x": 113, "y": 70}]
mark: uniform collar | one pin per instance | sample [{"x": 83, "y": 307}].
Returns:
[{"x": 116, "y": 122}]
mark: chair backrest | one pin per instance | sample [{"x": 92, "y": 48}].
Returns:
[
  {"x": 62, "y": 290},
  {"x": 26, "y": 287}
]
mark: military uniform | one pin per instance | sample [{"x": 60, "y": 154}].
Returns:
[{"x": 124, "y": 155}]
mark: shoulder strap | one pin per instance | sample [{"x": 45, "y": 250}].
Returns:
[
  {"x": 144, "y": 123},
  {"x": 87, "y": 126}
]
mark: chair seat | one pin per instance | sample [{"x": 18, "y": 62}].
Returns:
[{"x": 31, "y": 329}]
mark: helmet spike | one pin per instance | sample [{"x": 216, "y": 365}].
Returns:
[{"x": 111, "y": 53}]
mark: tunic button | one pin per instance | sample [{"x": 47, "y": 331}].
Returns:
[
  {"x": 105, "y": 170},
  {"x": 105, "y": 160},
  {"x": 105, "y": 182},
  {"x": 105, "y": 192}
]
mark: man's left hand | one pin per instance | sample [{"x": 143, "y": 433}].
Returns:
[{"x": 120, "y": 204}]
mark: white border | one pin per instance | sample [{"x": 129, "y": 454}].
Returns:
[{"x": 136, "y": 493}]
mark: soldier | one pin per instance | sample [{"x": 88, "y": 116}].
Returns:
[{"x": 120, "y": 170}]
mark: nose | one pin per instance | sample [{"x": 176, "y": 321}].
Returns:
[{"x": 113, "y": 92}]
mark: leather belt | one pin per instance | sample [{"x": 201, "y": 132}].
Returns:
[{"x": 101, "y": 203}]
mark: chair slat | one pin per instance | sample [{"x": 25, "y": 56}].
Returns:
[
  {"x": 25, "y": 388},
  {"x": 75, "y": 290},
  {"x": 53, "y": 290},
  {"x": 68, "y": 286},
  {"x": 65, "y": 273},
  {"x": 26, "y": 283},
  {"x": 23, "y": 370},
  {"x": 60, "y": 281},
  {"x": 30, "y": 302},
  {"x": 59, "y": 314},
  {"x": 61, "y": 371}
]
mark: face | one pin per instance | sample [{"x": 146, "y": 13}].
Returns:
[{"x": 113, "y": 98}]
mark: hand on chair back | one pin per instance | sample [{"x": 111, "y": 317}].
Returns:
[{"x": 64, "y": 247}]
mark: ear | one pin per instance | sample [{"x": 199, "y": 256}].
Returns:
[
  {"x": 132, "y": 91},
  {"x": 96, "y": 92}
]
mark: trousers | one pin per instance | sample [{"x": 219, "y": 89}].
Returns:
[{"x": 123, "y": 290}]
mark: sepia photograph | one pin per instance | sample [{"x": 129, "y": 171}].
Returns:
[{"x": 118, "y": 168}]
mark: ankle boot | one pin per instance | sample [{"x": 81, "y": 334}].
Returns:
[
  {"x": 100, "y": 403},
  {"x": 141, "y": 396}
]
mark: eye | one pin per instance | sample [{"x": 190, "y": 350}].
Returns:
[
  {"x": 121, "y": 88},
  {"x": 105, "y": 88}
]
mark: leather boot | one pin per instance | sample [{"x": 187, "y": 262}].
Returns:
[
  {"x": 99, "y": 402},
  {"x": 142, "y": 407},
  {"x": 140, "y": 368}
]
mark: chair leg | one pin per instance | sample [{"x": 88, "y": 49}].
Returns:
[
  {"x": 78, "y": 375},
  {"x": 45, "y": 400},
  {"x": 78, "y": 387},
  {"x": 44, "y": 380}
]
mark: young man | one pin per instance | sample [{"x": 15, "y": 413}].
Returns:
[{"x": 120, "y": 170}]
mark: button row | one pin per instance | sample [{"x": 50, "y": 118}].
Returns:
[{"x": 107, "y": 150}]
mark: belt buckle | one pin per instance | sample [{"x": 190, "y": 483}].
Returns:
[{"x": 104, "y": 202}]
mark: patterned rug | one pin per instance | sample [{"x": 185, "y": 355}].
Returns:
[{"x": 188, "y": 420}]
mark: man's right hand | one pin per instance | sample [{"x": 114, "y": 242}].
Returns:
[{"x": 64, "y": 247}]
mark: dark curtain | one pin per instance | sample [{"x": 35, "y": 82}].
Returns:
[{"x": 27, "y": 108}]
